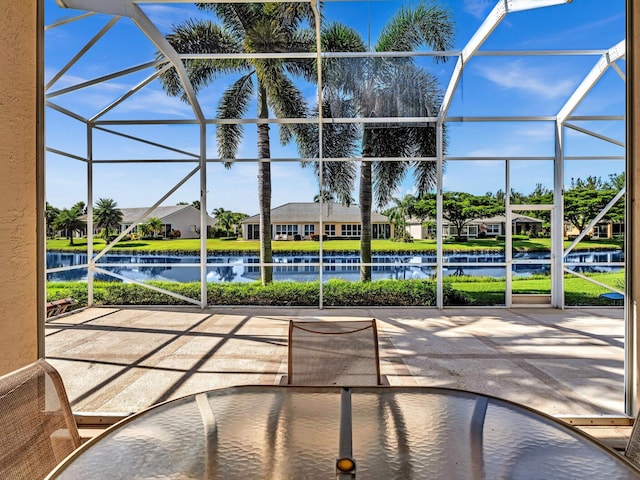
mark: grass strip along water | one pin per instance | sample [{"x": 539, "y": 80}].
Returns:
[{"x": 458, "y": 291}]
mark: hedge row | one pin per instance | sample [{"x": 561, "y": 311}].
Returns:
[{"x": 335, "y": 293}]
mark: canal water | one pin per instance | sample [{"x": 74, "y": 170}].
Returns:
[{"x": 304, "y": 267}]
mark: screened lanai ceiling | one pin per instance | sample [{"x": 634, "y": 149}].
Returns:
[{"x": 534, "y": 83}]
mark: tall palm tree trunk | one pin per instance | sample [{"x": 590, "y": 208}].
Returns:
[
  {"x": 264, "y": 189},
  {"x": 365, "y": 209}
]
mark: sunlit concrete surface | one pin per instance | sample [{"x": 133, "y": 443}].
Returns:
[{"x": 125, "y": 359}]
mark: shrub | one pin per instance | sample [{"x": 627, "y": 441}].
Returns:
[
  {"x": 336, "y": 293},
  {"x": 316, "y": 237},
  {"x": 174, "y": 234}
]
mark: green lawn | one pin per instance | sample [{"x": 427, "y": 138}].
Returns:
[
  {"x": 490, "y": 291},
  {"x": 458, "y": 291},
  {"x": 222, "y": 245}
]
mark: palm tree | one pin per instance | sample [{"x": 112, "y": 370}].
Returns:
[
  {"x": 249, "y": 28},
  {"x": 226, "y": 220},
  {"x": 398, "y": 215},
  {"x": 107, "y": 216},
  {"x": 144, "y": 229},
  {"x": 69, "y": 220},
  {"x": 383, "y": 87},
  {"x": 50, "y": 214},
  {"x": 155, "y": 226},
  {"x": 80, "y": 207}
]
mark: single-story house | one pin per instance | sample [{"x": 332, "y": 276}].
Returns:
[
  {"x": 183, "y": 218},
  {"x": 480, "y": 227},
  {"x": 603, "y": 229},
  {"x": 302, "y": 220}
]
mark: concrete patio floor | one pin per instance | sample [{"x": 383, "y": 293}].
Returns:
[{"x": 120, "y": 360}]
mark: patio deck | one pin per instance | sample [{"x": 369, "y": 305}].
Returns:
[{"x": 116, "y": 360}]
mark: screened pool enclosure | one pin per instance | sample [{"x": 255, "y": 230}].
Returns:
[{"x": 524, "y": 96}]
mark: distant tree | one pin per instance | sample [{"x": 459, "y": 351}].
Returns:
[
  {"x": 50, "y": 214},
  {"x": 326, "y": 196},
  {"x": 195, "y": 204},
  {"x": 155, "y": 226},
  {"x": 422, "y": 207},
  {"x": 226, "y": 221},
  {"x": 540, "y": 196},
  {"x": 584, "y": 201},
  {"x": 107, "y": 216},
  {"x": 398, "y": 215},
  {"x": 460, "y": 208},
  {"x": 616, "y": 181},
  {"x": 238, "y": 217},
  {"x": 217, "y": 212},
  {"x": 591, "y": 182},
  {"x": 144, "y": 229},
  {"x": 69, "y": 221},
  {"x": 81, "y": 207}
]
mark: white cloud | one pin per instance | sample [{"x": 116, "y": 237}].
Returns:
[
  {"x": 155, "y": 102},
  {"x": 527, "y": 79},
  {"x": 96, "y": 97},
  {"x": 165, "y": 17},
  {"x": 477, "y": 8}
]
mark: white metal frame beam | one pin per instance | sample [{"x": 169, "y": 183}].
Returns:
[
  {"x": 130, "y": 9},
  {"x": 613, "y": 54}
]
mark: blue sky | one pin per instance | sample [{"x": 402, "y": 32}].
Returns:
[{"x": 490, "y": 86}]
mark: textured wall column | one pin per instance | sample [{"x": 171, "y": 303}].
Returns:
[
  {"x": 19, "y": 182},
  {"x": 633, "y": 214}
]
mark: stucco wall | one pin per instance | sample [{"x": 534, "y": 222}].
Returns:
[{"x": 18, "y": 192}]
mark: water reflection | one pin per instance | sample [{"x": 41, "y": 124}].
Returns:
[{"x": 301, "y": 268}]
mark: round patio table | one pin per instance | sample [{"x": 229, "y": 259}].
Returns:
[{"x": 283, "y": 432}]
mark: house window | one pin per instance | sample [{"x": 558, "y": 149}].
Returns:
[
  {"x": 192, "y": 228},
  {"x": 601, "y": 230},
  {"x": 351, "y": 230},
  {"x": 309, "y": 230},
  {"x": 617, "y": 229},
  {"x": 253, "y": 232},
  {"x": 330, "y": 229},
  {"x": 286, "y": 229},
  {"x": 381, "y": 230},
  {"x": 493, "y": 229}
]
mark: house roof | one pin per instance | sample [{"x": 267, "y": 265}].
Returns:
[
  {"x": 516, "y": 218},
  {"x": 309, "y": 212},
  {"x": 130, "y": 215}
]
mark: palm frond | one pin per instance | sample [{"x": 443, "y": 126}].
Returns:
[
  {"x": 233, "y": 104},
  {"x": 345, "y": 74},
  {"x": 201, "y": 36},
  {"x": 283, "y": 97},
  {"x": 427, "y": 24},
  {"x": 238, "y": 17},
  {"x": 425, "y": 175},
  {"x": 291, "y": 14},
  {"x": 302, "y": 41},
  {"x": 388, "y": 177},
  {"x": 339, "y": 178}
]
